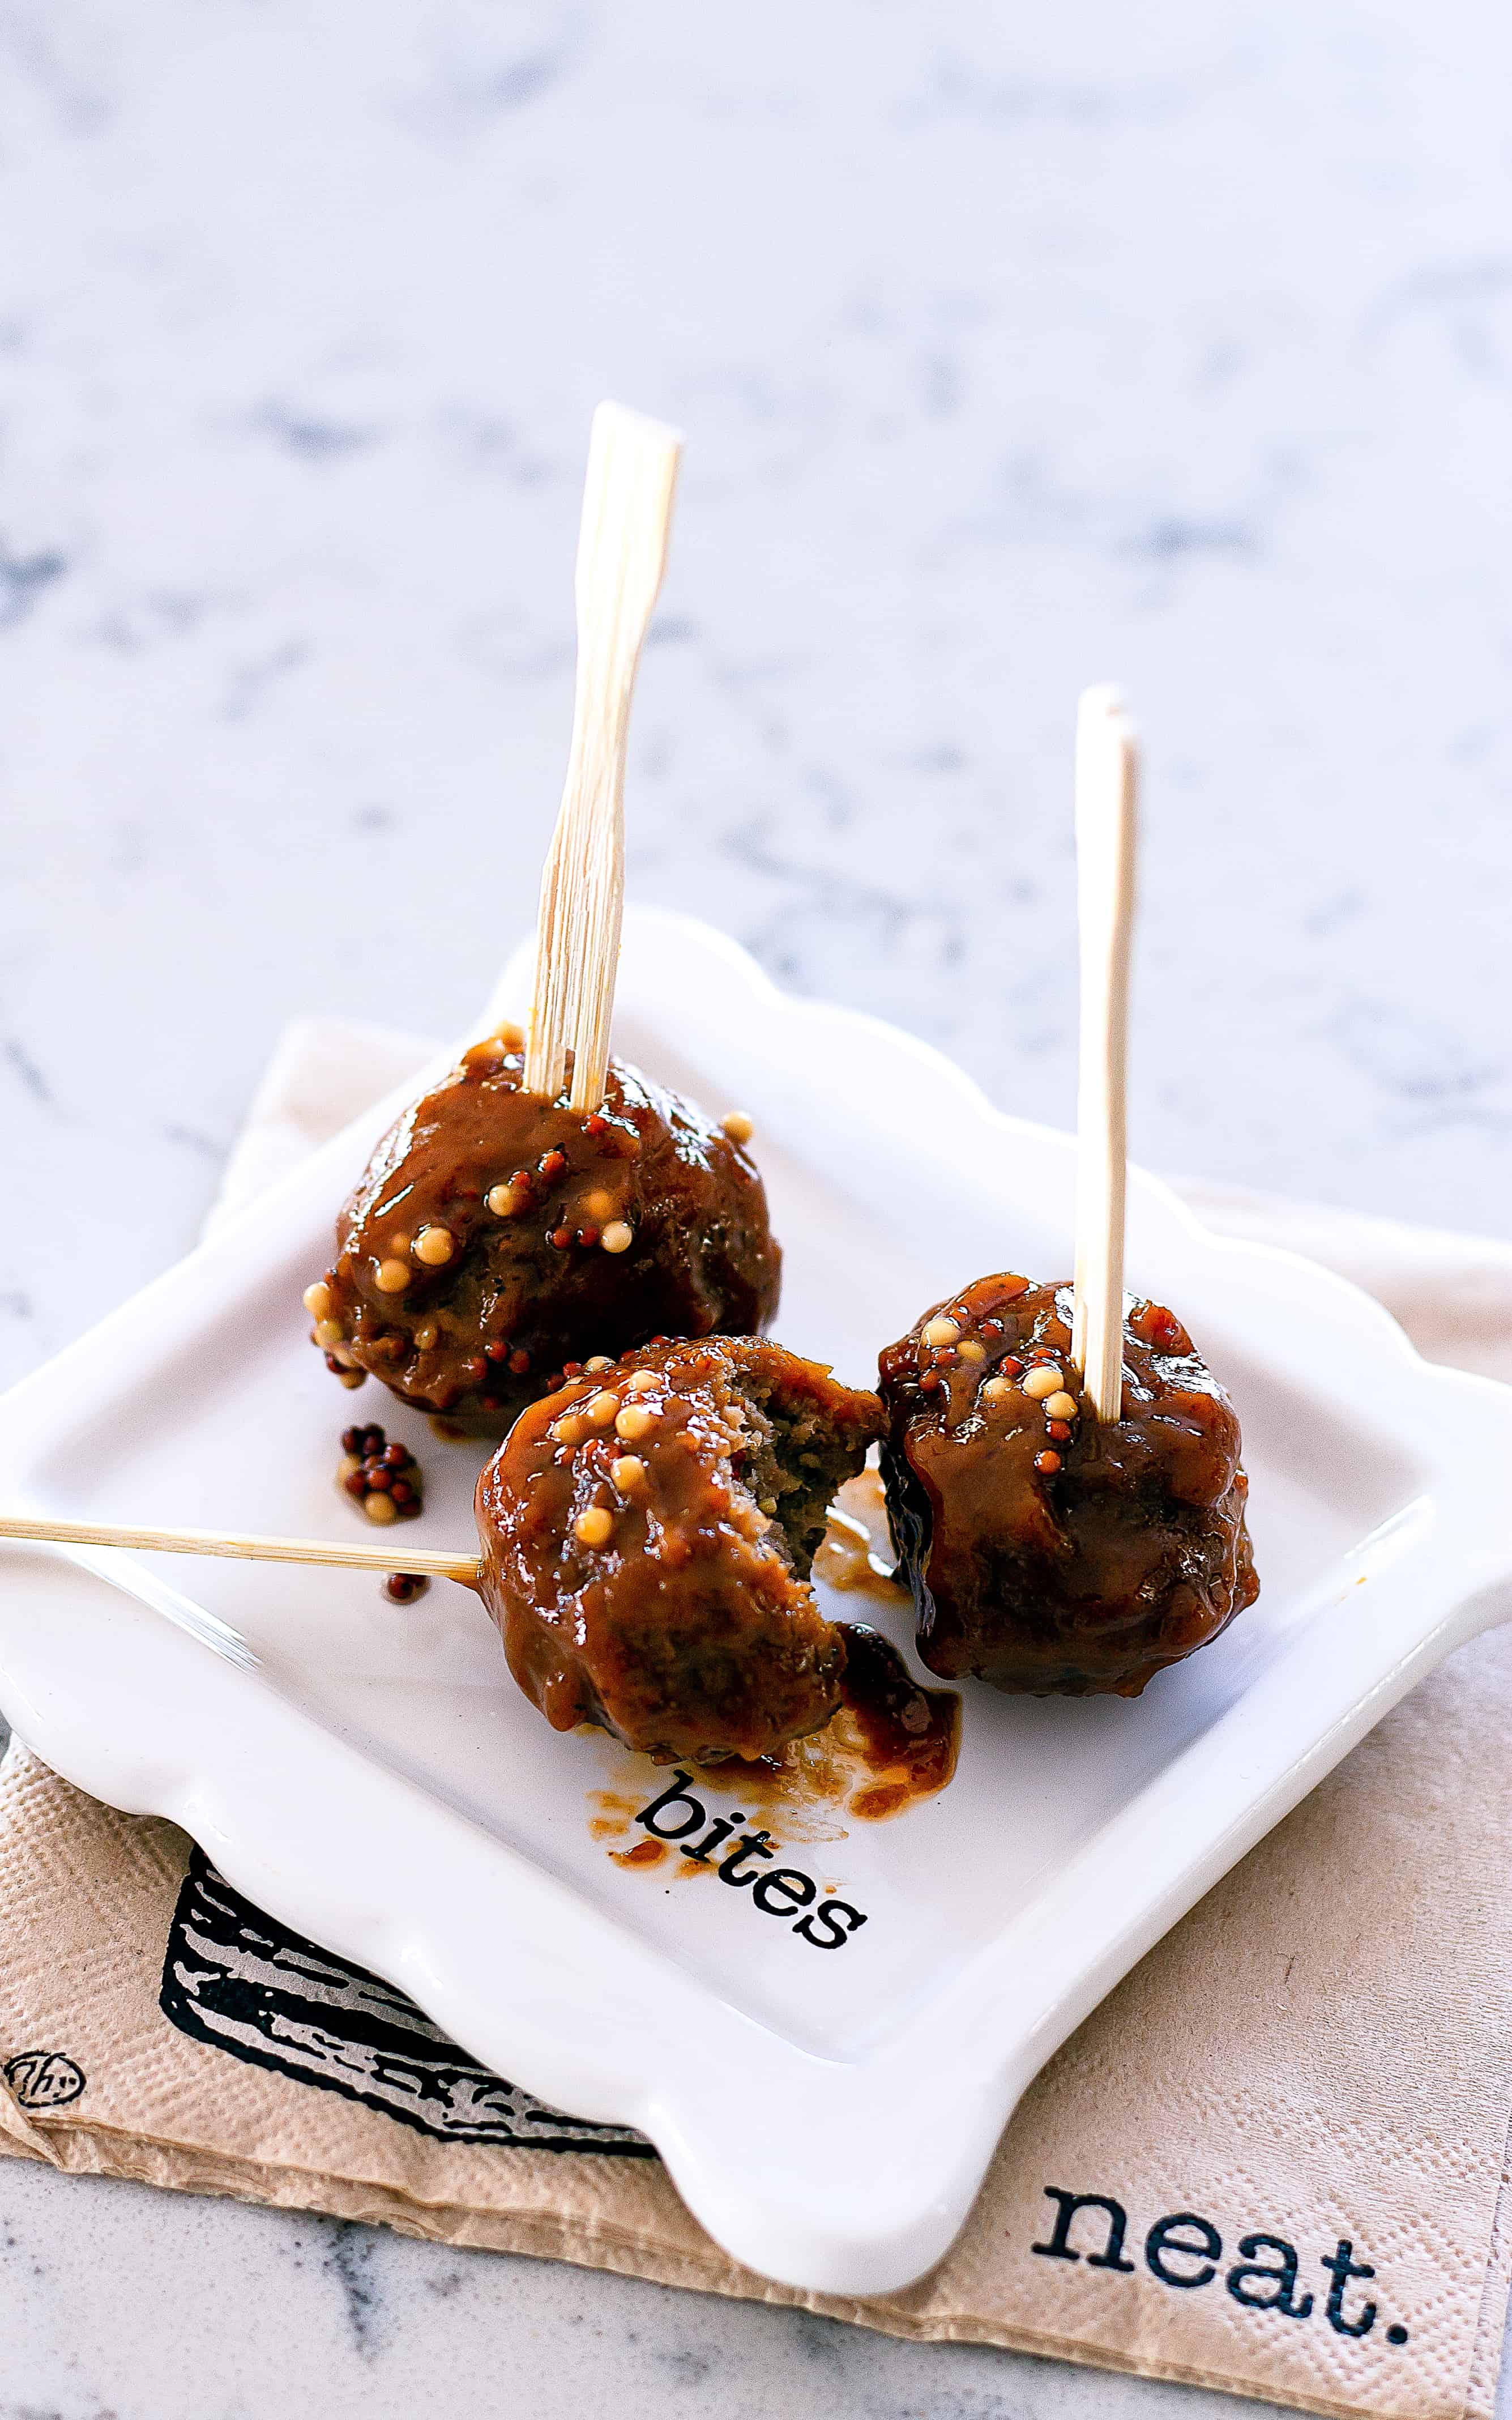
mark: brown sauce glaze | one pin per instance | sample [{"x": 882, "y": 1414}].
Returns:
[
  {"x": 647, "y": 1535},
  {"x": 494, "y": 1240},
  {"x": 1049, "y": 1553}
]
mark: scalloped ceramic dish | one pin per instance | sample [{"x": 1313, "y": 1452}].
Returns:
[{"x": 369, "y": 1774}]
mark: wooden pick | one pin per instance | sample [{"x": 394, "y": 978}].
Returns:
[
  {"x": 622, "y": 552},
  {"x": 392, "y": 1557},
  {"x": 1107, "y": 779}
]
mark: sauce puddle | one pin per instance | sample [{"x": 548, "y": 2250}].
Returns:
[
  {"x": 893, "y": 1744},
  {"x": 856, "y": 1549},
  {"x": 911, "y": 1736},
  {"x": 645, "y": 1852}
]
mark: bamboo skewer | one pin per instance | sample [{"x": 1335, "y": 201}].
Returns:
[
  {"x": 1107, "y": 776},
  {"x": 239, "y": 1548},
  {"x": 622, "y": 552}
]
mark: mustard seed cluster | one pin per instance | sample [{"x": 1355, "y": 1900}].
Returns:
[
  {"x": 383, "y": 1479},
  {"x": 1042, "y": 1376}
]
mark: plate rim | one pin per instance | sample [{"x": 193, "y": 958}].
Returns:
[{"x": 859, "y": 2216}]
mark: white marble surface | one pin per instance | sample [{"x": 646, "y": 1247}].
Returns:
[
  {"x": 262, "y": 2312},
  {"x": 1014, "y": 348}
]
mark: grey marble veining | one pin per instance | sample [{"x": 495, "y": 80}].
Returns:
[
  {"x": 265, "y": 2312},
  {"x": 1014, "y": 349}
]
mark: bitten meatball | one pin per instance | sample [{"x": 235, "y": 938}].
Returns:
[
  {"x": 1046, "y": 1552},
  {"x": 646, "y": 1539},
  {"x": 496, "y": 1240}
]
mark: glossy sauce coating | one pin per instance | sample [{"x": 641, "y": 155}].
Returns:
[
  {"x": 1046, "y": 1553},
  {"x": 494, "y": 1238},
  {"x": 647, "y": 1536}
]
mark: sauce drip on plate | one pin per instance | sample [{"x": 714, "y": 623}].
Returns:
[
  {"x": 892, "y": 1744},
  {"x": 910, "y": 1737}
]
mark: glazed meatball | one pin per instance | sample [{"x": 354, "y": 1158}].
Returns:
[
  {"x": 1046, "y": 1552},
  {"x": 496, "y": 1240},
  {"x": 647, "y": 1534}
]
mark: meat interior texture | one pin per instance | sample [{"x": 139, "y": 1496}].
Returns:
[
  {"x": 647, "y": 1534},
  {"x": 1047, "y": 1553},
  {"x": 495, "y": 1239}
]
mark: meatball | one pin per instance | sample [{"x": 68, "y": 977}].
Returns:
[
  {"x": 496, "y": 1241},
  {"x": 647, "y": 1536},
  {"x": 1046, "y": 1552}
]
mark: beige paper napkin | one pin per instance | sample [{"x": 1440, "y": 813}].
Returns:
[{"x": 1274, "y": 2161}]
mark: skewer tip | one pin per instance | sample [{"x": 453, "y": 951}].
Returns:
[
  {"x": 609, "y": 415},
  {"x": 1104, "y": 705}
]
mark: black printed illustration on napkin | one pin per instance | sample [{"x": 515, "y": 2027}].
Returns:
[{"x": 244, "y": 1983}]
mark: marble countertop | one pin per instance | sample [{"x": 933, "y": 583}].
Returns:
[
  {"x": 123, "y": 2302},
  {"x": 1013, "y": 351}
]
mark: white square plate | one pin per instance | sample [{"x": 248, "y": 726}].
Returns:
[{"x": 370, "y": 1774}]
